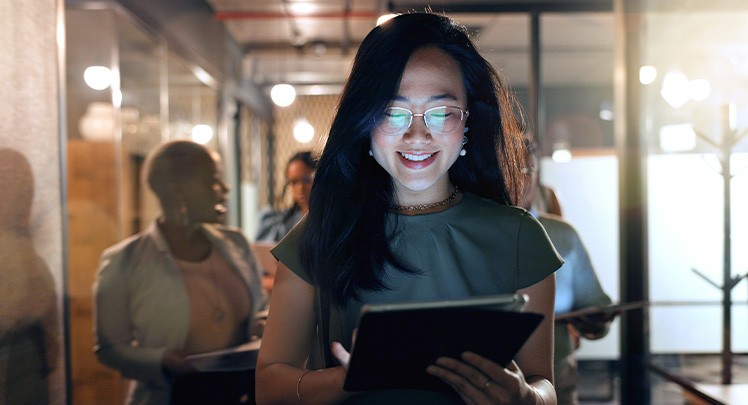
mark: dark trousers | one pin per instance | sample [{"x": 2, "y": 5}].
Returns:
[{"x": 218, "y": 387}]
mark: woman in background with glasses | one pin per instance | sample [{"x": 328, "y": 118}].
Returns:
[
  {"x": 274, "y": 225},
  {"x": 412, "y": 201}
]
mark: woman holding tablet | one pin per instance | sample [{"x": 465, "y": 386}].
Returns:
[{"x": 411, "y": 202}]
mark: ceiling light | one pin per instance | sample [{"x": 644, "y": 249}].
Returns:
[
  {"x": 97, "y": 124},
  {"x": 675, "y": 89},
  {"x": 202, "y": 133},
  {"x": 283, "y": 95},
  {"x": 98, "y": 77},
  {"x": 302, "y": 8},
  {"x": 561, "y": 152},
  {"x": 647, "y": 74},
  {"x": 303, "y": 131}
]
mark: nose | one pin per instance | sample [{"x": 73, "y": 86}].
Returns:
[
  {"x": 418, "y": 132},
  {"x": 223, "y": 187}
]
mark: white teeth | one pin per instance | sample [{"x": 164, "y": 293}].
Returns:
[{"x": 416, "y": 158}]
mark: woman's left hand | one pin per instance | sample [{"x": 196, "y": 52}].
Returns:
[
  {"x": 479, "y": 380},
  {"x": 341, "y": 354}
]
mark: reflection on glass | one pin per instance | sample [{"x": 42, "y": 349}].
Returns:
[
  {"x": 29, "y": 318},
  {"x": 110, "y": 132},
  {"x": 192, "y": 104},
  {"x": 98, "y": 77}
]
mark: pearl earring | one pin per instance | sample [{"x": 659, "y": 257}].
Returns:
[
  {"x": 371, "y": 153},
  {"x": 463, "y": 152}
]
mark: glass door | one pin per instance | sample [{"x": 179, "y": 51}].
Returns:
[{"x": 694, "y": 110}]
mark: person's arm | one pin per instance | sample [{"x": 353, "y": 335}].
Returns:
[
  {"x": 289, "y": 333},
  {"x": 527, "y": 380},
  {"x": 113, "y": 329},
  {"x": 535, "y": 358},
  {"x": 588, "y": 293}
]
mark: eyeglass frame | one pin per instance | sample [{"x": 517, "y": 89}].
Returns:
[
  {"x": 463, "y": 116},
  {"x": 304, "y": 181}
]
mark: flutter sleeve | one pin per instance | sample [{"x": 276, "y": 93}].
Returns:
[
  {"x": 537, "y": 258},
  {"x": 287, "y": 251}
]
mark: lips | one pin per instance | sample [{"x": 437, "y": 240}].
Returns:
[{"x": 417, "y": 160}]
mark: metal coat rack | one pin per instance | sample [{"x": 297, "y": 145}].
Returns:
[{"x": 730, "y": 138}]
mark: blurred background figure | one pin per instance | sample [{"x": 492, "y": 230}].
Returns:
[
  {"x": 274, "y": 225},
  {"x": 29, "y": 344},
  {"x": 577, "y": 285},
  {"x": 542, "y": 198},
  {"x": 185, "y": 285}
]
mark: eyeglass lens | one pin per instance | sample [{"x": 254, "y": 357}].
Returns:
[
  {"x": 438, "y": 119},
  {"x": 306, "y": 180}
]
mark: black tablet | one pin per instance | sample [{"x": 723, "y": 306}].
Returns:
[{"x": 396, "y": 342}]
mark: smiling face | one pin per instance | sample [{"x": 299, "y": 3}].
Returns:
[{"x": 417, "y": 159}]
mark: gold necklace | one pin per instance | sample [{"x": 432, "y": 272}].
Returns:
[{"x": 405, "y": 209}]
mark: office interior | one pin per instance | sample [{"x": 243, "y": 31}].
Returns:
[{"x": 639, "y": 108}]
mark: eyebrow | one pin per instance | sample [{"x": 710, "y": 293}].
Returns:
[{"x": 443, "y": 96}]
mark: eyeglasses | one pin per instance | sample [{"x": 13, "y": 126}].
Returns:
[
  {"x": 305, "y": 181},
  {"x": 440, "y": 120}
]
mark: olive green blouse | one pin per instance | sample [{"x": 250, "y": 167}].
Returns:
[{"x": 476, "y": 247}]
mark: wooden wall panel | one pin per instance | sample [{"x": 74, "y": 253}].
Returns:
[{"x": 92, "y": 215}]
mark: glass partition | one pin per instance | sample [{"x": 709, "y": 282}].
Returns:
[
  {"x": 578, "y": 157},
  {"x": 694, "y": 116},
  {"x": 192, "y": 105},
  {"x": 148, "y": 95},
  {"x": 141, "y": 64},
  {"x": 93, "y": 183}
]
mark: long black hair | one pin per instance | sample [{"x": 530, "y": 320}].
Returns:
[{"x": 344, "y": 246}]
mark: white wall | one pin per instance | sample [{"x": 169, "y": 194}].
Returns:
[
  {"x": 588, "y": 190},
  {"x": 686, "y": 232}
]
